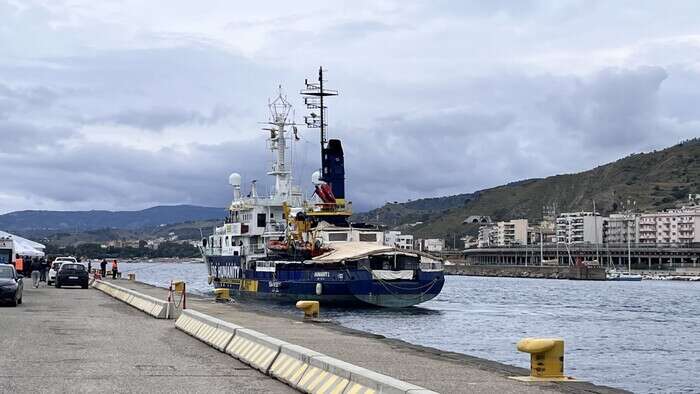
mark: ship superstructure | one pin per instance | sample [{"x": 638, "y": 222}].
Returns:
[{"x": 285, "y": 247}]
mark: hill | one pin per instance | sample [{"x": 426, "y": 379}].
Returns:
[
  {"x": 73, "y": 221},
  {"x": 190, "y": 230},
  {"x": 654, "y": 181}
]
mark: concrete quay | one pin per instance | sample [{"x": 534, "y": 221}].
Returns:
[
  {"x": 433, "y": 369},
  {"x": 71, "y": 340}
]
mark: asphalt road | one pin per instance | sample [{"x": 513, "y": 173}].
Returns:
[{"x": 75, "y": 340}]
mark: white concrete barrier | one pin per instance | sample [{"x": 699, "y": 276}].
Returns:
[
  {"x": 157, "y": 308},
  {"x": 304, "y": 369},
  {"x": 210, "y": 330},
  {"x": 255, "y": 349},
  {"x": 369, "y": 381},
  {"x": 291, "y": 363},
  {"x": 326, "y": 374}
]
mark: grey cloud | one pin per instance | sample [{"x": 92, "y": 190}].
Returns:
[
  {"x": 107, "y": 175},
  {"x": 24, "y": 99},
  {"x": 158, "y": 119},
  {"x": 26, "y": 138},
  {"x": 615, "y": 106}
]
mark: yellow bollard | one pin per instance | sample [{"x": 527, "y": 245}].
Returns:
[
  {"x": 311, "y": 308},
  {"x": 546, "y": 360},
  {"x": 132, "y": 276},
  {"x": 222, "y": 295}
]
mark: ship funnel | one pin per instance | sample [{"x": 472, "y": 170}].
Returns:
[
  {"x": 235, "y": 180},
  {"x": 334, "y": 168}
]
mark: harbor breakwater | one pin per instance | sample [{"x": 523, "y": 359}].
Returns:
[{"x": 523, "y": 271}]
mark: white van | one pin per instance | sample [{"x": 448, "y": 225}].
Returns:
[{"x": 55, "y": 267}]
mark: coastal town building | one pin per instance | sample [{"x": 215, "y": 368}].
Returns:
[
  {"x": 677, "y": 226},
  {"x": 672, "y": 227},
  {"x": 579, "y": 227},
  {"x": 487, "y": 236},
  {"x": 621, "y": 229},
  {"x": 512, "y": 232},
  {"x": 430, "y": 244},
  {"x": 398, "y": 240}
]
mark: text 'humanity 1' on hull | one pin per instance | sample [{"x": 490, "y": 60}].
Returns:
[{"x": 286, "y": 247}]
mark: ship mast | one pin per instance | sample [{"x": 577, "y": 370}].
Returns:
[
  {"x": 313, "y": 99},
  {"x": 279, "y": 112}
]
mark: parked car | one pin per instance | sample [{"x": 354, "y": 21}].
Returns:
[
  {"x": 11, "y": 285},
  {"x": 55, "y": 267},
  {"x": 72, "y": 274}
]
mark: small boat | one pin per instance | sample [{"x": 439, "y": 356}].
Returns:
[{"x": 621, "y": 276}]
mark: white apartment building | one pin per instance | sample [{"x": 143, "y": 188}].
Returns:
[
  {"x": 431, "y": 244},
  {"x": 398, "y": 240},
  {"x": 621, "y": 228},
  {"x": 673, "y": 226},
  {"x": 513, "y": 232},
  {"x": 579, "y": 227},
  {"x": 487, "y": 236}
]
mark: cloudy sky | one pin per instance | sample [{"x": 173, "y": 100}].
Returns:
[{"x": 128, "y": 104}]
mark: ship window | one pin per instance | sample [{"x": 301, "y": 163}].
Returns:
[
  {"x": 337, "y": 237},
  {"x": 370, "y": 237},
  {"x": 261, "y": 220},
  {"x": 272, "y": 215}
]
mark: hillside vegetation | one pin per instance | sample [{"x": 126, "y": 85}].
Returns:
[
  {"x": 190, "y": 230},
  {"x": 21, "y": 221},
  {"x": 655, "y": 181}
]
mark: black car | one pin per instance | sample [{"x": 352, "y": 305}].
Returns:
[
  {"x": 11, "y": 285},
  {"x": 71, "y": 274}
]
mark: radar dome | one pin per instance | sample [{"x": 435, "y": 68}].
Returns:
[
  {"x": 316, "y": 178},
  {"x": 234, "y": 179}
]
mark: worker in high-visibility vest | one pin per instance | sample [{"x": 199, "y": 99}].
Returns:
[
  {"x": 19, "y": 264},
  {"x": 115, "y": 269}
]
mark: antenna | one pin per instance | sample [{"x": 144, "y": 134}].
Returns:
[{"x": 313, "y": 99}]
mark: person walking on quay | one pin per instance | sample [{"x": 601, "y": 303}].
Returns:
[
  {"x": 103, "y": 268},
  {"x": 89, "y": 266},
  {"x": 115, "y": 269},
  {"x": 44, "y": 268},
  {"x": 36, "y": 268}
]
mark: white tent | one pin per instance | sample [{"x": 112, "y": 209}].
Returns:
[{"x": 23, "y": 246}]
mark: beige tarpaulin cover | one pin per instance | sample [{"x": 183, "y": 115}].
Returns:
[
  {"x": 351, "y": 250},
  {"x": 392, "y": 275}
]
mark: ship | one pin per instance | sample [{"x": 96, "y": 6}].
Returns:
[{"x": 284, "y": 247}]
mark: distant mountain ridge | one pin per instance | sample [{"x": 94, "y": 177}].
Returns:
[
  {"x": 649, "y": 181},
  {"x": 21, "y": 221}
]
